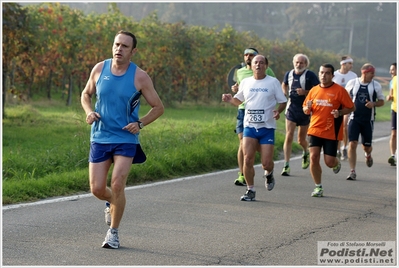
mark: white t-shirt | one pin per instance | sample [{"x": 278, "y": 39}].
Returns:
[
  {"x": 261, "y": 98},
  {"x": 342, "y": 79}
]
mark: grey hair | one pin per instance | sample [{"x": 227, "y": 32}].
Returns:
[{"x": 301, "y": 55}]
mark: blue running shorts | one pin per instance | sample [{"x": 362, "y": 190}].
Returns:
[
  {"x": 263, "y": 135},
  {"x": 240, "y": 121},
  {"x": 102, "y": 152}
]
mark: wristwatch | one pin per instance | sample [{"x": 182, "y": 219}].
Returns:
[{"x": 141, "y": 125}]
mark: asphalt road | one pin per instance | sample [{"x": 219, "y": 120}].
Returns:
[{"x": 201, "y": 221}]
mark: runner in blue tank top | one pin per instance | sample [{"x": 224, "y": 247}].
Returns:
[{"x": 117, "y": 84}]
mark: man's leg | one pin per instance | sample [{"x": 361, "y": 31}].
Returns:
[
  {"x": 287, "y": 147},
  {"x": 315, "y": 170},
  {"x": 367, "y": 140},
  {"x": 353, "y": 136},
  {"x": 267, "y": 152},
  {"x": 344, "y": 148},
  {"x": 330, "y": 159},
  {"x": 315, "y": 167},
  {"x": 250, "y": 146},
  {"x": 392, "y": 146},
  {"x": 302, "y": 137},
  {"x": 392, "y": 140},
  {"x": 352, "y": 156},
  {"x": 240, "y": 154},
  {"x": 367, "y": 154},
  {"x": 120, "y": 173},
  {"x": 302, "y": 140},
  {"x": 98, "y": 173},
  {"x": 332, "y": 162},
  {"x": 240, "y": 181}
]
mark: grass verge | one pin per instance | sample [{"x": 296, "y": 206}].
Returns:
[{"x": 46, "y": 145}]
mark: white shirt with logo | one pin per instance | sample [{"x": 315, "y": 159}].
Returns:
[{"x": 261, "y": 98}]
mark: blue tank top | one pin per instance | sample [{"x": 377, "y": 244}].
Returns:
[{"x": 118, "y": 103}]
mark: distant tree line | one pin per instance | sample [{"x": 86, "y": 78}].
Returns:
[
  {"x": 364, "y": 30},
  {"x": 49, "y": 50}
]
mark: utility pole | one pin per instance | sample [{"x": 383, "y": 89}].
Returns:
[
  {"x": 350, "y": 40},
  {"x": 367, "y": 38},
  {"x": 350, "y": 34}
]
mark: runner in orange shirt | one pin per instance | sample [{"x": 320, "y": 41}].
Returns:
[{"x": 326, "y": 103}]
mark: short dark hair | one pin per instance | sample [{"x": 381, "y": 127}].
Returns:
[
  {"x": 394, "y": 64},
  {"x": 129, "y": 34},
  {"x": 330, "y": 66}
]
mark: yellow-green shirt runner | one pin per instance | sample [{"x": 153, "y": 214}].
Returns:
[{"x": 394, "y": 86}]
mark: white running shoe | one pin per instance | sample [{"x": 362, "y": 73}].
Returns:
[
  {"x": 351, "y": 176},
  {"x": 111, "y": 239}
]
